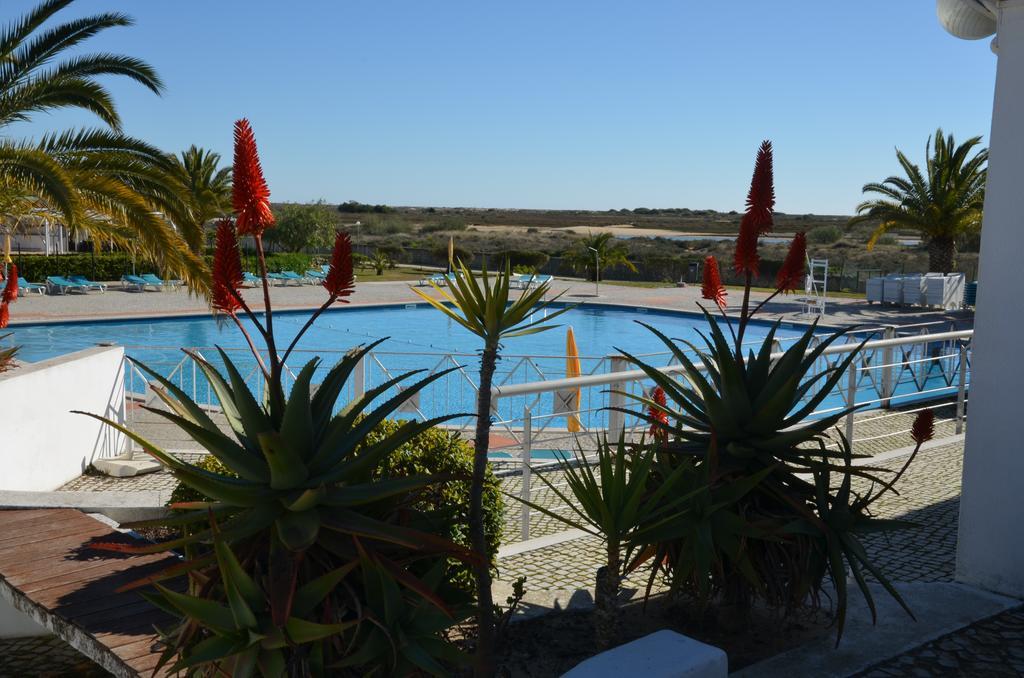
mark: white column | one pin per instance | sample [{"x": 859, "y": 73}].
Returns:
[{"x": 990, "y": 550}]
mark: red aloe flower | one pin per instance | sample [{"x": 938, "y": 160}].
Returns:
[
  {"x": 761, "y": 197},
  {"x": 791, "y": 275},
  {"x": 5, "y": 314},
  {"x": 227, "y": 270},
  {"x": 746, "y": 259},
  {"x": 10, "y": 294},
  {"x": 658, "y": 427},
  {"x": 711, "y": 282},
  {"x": 340, "y": 281},
  {"x": 250, "y": 194},
  {"x": 758, "y": 218},
  {"x": 923, "y": 429}
]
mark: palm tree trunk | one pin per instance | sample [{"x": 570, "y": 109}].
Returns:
[
  {"x": 606, "y": 599},
  {"x": 478, "y": 537},
  {"x": 941, "y": 254}
]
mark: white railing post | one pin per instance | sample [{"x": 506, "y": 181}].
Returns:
[
  {"x": 961, "y": 391},
  {"x": 888, "y": 388},
  {"x": 851, "y": 398},
  {"x": 359, "y": 378},
  {"x": 616, "y": 419},
  {"x": 524, "y": 490}
]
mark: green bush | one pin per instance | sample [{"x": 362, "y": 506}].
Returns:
[
  {"x": 434, "y": 452},
  {"x": 106, "y": 266},
  {"x": 824, "y": 235},
  {"x": 529, "y": 258},
  {"x": 445, "y": 224},
  {"x": 440, "y": 254},
  {"x": 288, "y": 261}
]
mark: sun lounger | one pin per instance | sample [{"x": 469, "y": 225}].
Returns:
[
  {"x": 316, "y": 275},
  {"x": 542, "y": 279},
  {"x": 63, "y": 285},
  {"x": 285, "y": 277},
  {"x": 161, "y": 284},
  {"x": 82, "y": 280},
  {"x": 137, "y": 282},
  {"x": 251, "y": 280},
  {"x": 436, "y": 279},
  {"x": 25, "y": 287},
  {"x": 522, "y": 282}
]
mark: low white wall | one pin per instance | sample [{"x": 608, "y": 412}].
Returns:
[
  {"x": 42, "y": 444},
  {"x": 16, "y": 624}
]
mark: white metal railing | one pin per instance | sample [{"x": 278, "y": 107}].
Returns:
[{"x": 885, "y": 372}]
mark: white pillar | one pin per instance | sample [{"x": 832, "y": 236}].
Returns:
[{"x": 990, "y": 550}]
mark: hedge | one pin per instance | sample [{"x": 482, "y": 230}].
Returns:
[{"x": 106, "y": 266}]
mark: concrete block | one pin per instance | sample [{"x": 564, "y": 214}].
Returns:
[
  {"x": 122, "y": 467},
  {"x": 665, "y": 654}
]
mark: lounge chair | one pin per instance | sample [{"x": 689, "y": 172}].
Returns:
[
  {"x": 63, "y": 285},
  {"x": 138, "y": 282},
  {"x": 161, "y": 284},
  {"x": 438, "y": 279},
  {"x": 523, "y": 282},
  {"x": 81, "y": 279},
  {"x": 452, "y": 278},
  {"x": 25, "y": 287},
  {"x": 541, "y": 279},
  {"x": 316, "y": 275},
  {"x": 285, "y": 277},
  {"x": 251, "y": 280}
]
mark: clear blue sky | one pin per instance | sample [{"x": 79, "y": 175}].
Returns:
[{"x": 591, "y": 105}]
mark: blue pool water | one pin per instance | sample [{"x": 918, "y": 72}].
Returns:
[{"x": 420, "y": 338}]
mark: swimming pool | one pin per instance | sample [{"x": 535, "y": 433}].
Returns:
[{"x": 420, "y": 338}]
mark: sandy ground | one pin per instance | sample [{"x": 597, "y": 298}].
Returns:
[{"x": 618, "y": 230}]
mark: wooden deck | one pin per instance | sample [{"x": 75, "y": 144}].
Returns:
[{"x": 49, "y": 571}]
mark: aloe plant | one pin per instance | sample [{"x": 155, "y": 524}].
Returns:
[
  {"x": 487, "y": 309},
  {"x": 772, "y": 522},
  {"x": 308, "y": 557}
]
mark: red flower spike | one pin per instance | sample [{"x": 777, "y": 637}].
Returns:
[
  {"x": 761, "y": 197},
  {"x": 227, "y": 270},
  {"x": 746, "y": 259},
  {"x": 250, "y": 194},
  {"x": 340, "y": 281},
  {"x": 10, "y": 294},
  {"x": 658, "y": 427},
  {"x": 711, "y": 282},
  {"x": 791, "y": 275},
  {"x": 923, "y": 429},
  {"x": 5, "y": 314}
]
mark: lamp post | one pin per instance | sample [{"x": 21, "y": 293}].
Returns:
[{"x": 597, "y": 271}]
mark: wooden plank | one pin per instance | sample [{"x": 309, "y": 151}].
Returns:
[{"x": 46, "y": 562}]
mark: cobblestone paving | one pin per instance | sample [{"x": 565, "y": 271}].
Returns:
[
  {"x": 21, "y": 658},
  {"x": 991, "y": 647},
  {"x": 930, "y": 493}
]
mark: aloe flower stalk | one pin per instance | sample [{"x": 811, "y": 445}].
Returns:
[
  {"x": 711, "y": 283},
  {"x": 791, "y": 275},
  {"x": 227, "y": 271},
  {"x": 756, "y": 220},
  {"x": 250, "y": 195},
  {"x": 10, "y": 294}
]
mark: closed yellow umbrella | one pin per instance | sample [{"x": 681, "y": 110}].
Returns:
[
  {"x": 451, "y": 253},
  {"x": 572, "y": 369}
]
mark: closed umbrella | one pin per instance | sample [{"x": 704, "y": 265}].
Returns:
[
  {"x": 451, "y": 253},
  {"x": 572, "y": 369}
]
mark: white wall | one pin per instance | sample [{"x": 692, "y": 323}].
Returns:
[
  {"x": 42, "y": 444},
  {"x": 16, "y": 624},
  {"x": 990, "y": 551}
]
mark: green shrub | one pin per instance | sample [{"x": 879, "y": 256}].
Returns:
[
  {"x": 529, "y": 258},
  {"x": 378, "y": 225},
  {"x": 433, "y": 452},
  {"x": 824, "y": 235},
  {"x": 887, "y": 240},
  {"x": 106, "y": 266},
  {"x": 288, "y": 261},
  {"x": 445, "y": 224},
  {"x": 440, "y": 254}
]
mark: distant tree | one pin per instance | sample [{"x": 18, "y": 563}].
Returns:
[
  {"x": 943, "y": 203},
  {"x": 380, "y": 261},
  {"x": 356, "y": 207},
  {"x": 206, "y": 190},
  {"x": 610, "y": 253},
  {"x": 301, "y": 227}
]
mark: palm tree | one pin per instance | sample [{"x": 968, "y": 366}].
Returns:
[
  {"x": 943, "y": 203},
  {"x": 207, "y": 188},
  {"x": 102, "y": 183},
  {"x": 603, "y": 248}
]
